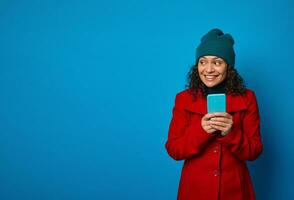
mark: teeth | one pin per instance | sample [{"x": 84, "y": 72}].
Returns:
[{"x": 210, "y": 77}]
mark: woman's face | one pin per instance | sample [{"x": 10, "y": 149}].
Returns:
[{"x": 212, "y": 70}]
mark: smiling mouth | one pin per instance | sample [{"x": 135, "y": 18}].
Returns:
[{"x": 210, "y": 77}]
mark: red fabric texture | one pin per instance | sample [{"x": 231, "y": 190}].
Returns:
[{"x": 214, "y": 166}]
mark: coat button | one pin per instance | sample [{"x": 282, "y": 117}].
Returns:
[
  {"x": 215, "y": 150},
  {"x": 215, "y": 172}
]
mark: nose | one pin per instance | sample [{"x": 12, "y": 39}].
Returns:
[{"x": 210, "y": 68}]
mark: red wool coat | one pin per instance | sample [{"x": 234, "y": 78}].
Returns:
[{"x": 215, "y": 166}]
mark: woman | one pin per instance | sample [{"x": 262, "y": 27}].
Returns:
[{"x": 215, "y": 146}]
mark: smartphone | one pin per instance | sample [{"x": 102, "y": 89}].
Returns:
[{"x": 216, "y": 103}]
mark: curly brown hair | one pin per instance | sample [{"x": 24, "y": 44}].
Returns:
[{"x": 234, "y": 82}]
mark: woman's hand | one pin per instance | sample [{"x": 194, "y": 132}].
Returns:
[
  {"x": 221, "y": 121},
  {"x": 206, "y": 125}
]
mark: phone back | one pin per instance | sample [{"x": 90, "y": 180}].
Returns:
[{"x": 216, "y": 103}]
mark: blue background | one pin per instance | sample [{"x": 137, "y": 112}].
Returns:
[{"x": 87, "y": 89}]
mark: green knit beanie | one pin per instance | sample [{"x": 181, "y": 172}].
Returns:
[{"x": 216, "y": 43}]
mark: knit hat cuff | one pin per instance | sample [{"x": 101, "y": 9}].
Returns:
[{"x": 214, "y": 48}]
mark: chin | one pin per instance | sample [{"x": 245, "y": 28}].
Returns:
[{"x": 211, "y": 84}]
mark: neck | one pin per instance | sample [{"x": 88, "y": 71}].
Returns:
[{"x": 220, "y": 88}]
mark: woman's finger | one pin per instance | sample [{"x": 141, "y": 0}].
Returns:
[
  {"x": 221, "y": 119},
  {"x": 220, "y": 128},
  {"x": 222, "y": 114},
  {"x": 208, "y": 116},
  {"x": 222, "y": 124}
]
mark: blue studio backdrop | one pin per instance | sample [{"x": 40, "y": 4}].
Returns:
[{"x": 87, "y": 90}]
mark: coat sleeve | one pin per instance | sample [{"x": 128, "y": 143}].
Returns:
[
  {"x": 245, "y": 142},
  {"x": 184, "y": 139}
]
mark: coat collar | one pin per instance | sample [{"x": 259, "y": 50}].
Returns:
[{"x": 234, "y": 103}]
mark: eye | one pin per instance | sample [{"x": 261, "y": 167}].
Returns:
[
  {"x": 202, "y": 62},
  {"x": 218, "y": 62}
]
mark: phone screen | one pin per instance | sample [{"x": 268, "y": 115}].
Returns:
[{"x": 216, "y": 103}]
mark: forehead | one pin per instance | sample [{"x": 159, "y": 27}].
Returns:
[{"x": 211, "y": 57}]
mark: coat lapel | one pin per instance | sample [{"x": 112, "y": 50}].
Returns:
[
  {"x": 199, "y": 106},
  {"x": 235, "y": 103}
]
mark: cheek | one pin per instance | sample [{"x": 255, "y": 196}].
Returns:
[
  {"x": 200, "y": 71},
  {"x": 224, "y": 73}
]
